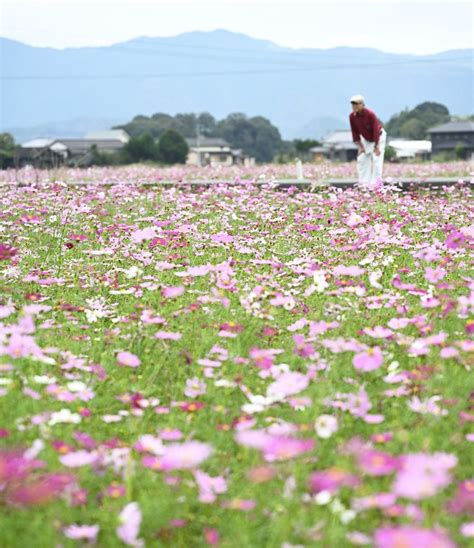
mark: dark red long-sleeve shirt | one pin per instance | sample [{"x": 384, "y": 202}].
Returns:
[{"x": 365, "y": 123}]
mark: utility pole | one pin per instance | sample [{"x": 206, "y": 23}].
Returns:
[{"x": 198, "y": 143}]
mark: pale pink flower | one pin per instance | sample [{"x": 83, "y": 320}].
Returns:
[
  {"x": 422, "y": 475},
  {"x": 434, "y": 275},
  {"x": 78, "y": 458},
  {"x": 137, "y": 236},
  {"x": 82, "y": 532},
  {"x": 173, "y": 291},
  {"x": 287, "y": 384},
  {"x": 369, "y": 360},
  {"x": 377, "y": 463},
  {"x": 352, "y": 270},
  {"x": 411, "y": 537},
  {"x": 209, "y": 486},
  {"x": 128, "y": 359},
  {"x": 130, "y": 519},
  {"x": 178, "y": 456},
  {"x": 168, "y": 335},
  {"x": 194, "y": 387},
  {"x": 467, "y": 529}
]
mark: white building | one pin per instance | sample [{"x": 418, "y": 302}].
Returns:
[
  {"x": 215, "y": 151},
  {"x": 406, "y": 149}
]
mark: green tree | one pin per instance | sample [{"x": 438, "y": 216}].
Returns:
[
  {"x": 303, "y": 145},
  {"x": 414, "y": 123},
  {"x": 413, "y": 129},
  {"x": 140, "y": 148},
  {"x": 172, "y": 147},
  {"x": 7, "y": 150},
  {"x": 460, "y": 151},
  {"x": 389, "y": 153},
  {"x": 255, "y": 136}
]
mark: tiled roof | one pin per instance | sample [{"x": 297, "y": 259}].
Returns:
[{"x": 454, "y": 127}]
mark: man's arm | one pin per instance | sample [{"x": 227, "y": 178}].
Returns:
[
  {"x": 355, "y": 131},
  {"x": 356, "y": 136},
  {"x": 377, "y": 127}
]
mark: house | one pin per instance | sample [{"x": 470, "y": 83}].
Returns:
[
  {"x": 406, "y": 149},
  {"x": 452, "y": 137},
  {"x": 55, "y": 152},
  {"x": 107, "y": 134},
  {"x": 215, "y": 151},
  {"x": 336, "y": 146},
  {"x": 37, "y": 152}
]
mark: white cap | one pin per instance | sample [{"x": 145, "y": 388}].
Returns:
[{"x": 357, "y": 98}]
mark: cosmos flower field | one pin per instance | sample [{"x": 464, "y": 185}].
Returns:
[{"x": 235, "y": 366}]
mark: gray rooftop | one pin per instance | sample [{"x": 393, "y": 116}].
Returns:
[
  {"x": 454, "y": 127},
  {"x": 208, "y": 142},
  {"x": 83, "y": 145}
]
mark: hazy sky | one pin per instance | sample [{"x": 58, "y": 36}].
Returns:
[{"x": 403, "y": 26}]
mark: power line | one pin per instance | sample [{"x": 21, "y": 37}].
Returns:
[
  {"x": 253, "y": 60},
  {"x": 227, "y": 73}
]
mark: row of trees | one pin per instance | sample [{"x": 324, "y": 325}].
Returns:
[
  {"x": 162, "y": 137},
  {"x": 170, "y": 148},
  {"x": 414, "y": 123},
  {"x": 256, "y": 135}
]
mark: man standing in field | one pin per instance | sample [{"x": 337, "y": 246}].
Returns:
[{"x": 370, "y": 136}]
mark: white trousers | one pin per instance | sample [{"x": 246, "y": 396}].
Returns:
[{"x": 369, "y": 166}]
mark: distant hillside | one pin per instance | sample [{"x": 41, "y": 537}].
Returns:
[{"x": 290, "y": 87}]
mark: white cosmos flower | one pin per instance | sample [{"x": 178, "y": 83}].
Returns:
[
  {"x": 64, "y": 415},
  {"x": 325, "y": 426}
]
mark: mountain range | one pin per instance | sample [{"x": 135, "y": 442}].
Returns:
[{"x": 50, "y": 92}]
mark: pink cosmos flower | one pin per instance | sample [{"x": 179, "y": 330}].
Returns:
[
  {"x": 353, "y": 270},
  {"x": 274, "y": 447},
  {"x": 467, "y": 529},
  {"x": 173, "y": 291},
  {"x": 455, "y": 240},
  {"x": 195, "y": 387},
  {"x": 411, "y": 537},
  {"x": 82, "y": 532},
  {"x": 332, "y": 479},
  {"x": 7, "y": 252},
  {"x": 422, "y": 475},
  {"x": 434, "y": 275},
  {"x": 302, "y": 348},
  {"x": 378, "y": 332},
  {"x": 377, "y": 463},
  {"x": 168, "y": 335},
  {"x": 209, "y": 486},
  {"x": 137, "y": 236},
  {"x": 262, "y": 357},
  {"x": 287, "y": 384},
  {"x": 377, "y": 500},
  {"x": 128, "y": 359},
  {"x": 179, "y": 456},
  {"x": 369, "y": 360},
  {"x": 222, "y": 237},
  {"x": 463, "y": 501},
  {"x": 211, "y": 536},
  {"x": 130, "y": 519},
  {"x": 78, "y": 458}
]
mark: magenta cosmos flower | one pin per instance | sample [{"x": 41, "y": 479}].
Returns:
[
  {"x": 332, "y": 480},
  {"x": 377, "y": 463},
  {"x": 274, "y": 447}
]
